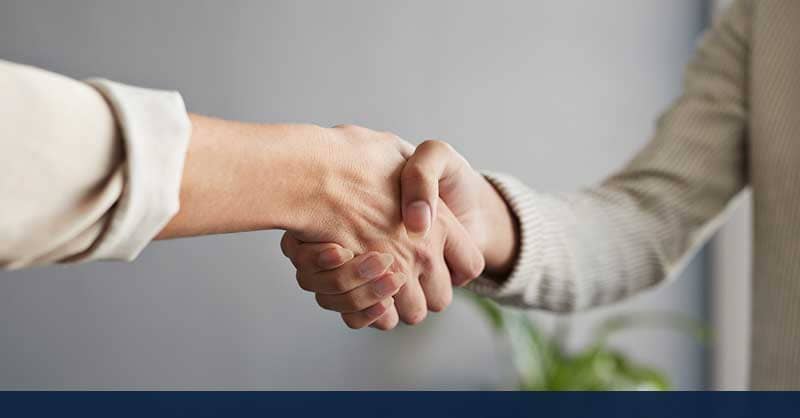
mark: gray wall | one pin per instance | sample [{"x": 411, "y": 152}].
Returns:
[{"x": 557, "y": 92}]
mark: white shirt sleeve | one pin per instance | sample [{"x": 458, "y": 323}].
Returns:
[{"x": 90, "y": 170}]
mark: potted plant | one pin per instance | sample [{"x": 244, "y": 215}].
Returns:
[{"x": 542, "y": 361}]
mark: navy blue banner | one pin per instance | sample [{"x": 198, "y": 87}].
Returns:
[{"x": 398, "y": 404}]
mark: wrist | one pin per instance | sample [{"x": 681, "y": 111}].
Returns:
[
  {"x": 501, "y": 245},
  {"x": 291, "y": 173},
  {"x": 243, "y": 177}
]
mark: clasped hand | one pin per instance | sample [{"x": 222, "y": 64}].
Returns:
[{"x": 391, "y": 228}]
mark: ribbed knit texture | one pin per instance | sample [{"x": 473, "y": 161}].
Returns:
[{"x": 737, "y": 124}]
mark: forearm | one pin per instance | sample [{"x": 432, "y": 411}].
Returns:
[
  {"x": 243, "y": 177},
  {"x": 597, "y": 246},
  {"x": 639, "y": 227}
]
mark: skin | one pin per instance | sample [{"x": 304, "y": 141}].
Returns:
[
  {"x": 338, "y": 186},
  {"x": 434, "y": 179}
]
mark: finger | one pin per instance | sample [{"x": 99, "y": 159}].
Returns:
[
  {"x": 365, "y": 296},
  {"x": 351, "y": 275},
  {"x": 388, "y": 321},
  {"x": 406, "y": 148},
  {"x": 437, "y": 286},
  {"x": 316, "y": 257},
  {"x": 410, "y": 303},
  {"x": 431, "y": 162},
  {"x": 289, "y": 245},
  {"x": 361, "y": 319},
  {"x": 464, "y": 258}
]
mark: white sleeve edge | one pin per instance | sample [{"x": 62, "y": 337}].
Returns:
[{"x": 155, "y": 128}]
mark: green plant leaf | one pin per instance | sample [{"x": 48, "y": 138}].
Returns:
[
  {"x": 491, "y": 311},
  {"x": 542, "y": 362}
]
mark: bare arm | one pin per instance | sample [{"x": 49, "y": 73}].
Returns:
[
  {"x": 97, "y": 170},
  {"x": 245, "y": 177}
]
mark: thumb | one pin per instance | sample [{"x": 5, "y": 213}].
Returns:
[{"x": 431, "y": 162}]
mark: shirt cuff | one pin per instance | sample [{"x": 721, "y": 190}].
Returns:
[
  {"x": 155, "y": 129},
  {"x": 522, "y": 286}
]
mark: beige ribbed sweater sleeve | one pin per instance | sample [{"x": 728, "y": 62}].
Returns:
[
  {"x": 89, "y": 170},
  {"x": 640, "y": 226}
]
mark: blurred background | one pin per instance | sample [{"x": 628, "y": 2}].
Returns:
[{"x": 558, "y": 93}]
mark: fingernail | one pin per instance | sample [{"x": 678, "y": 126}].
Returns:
[
  {"x": 376, "y": 310},
  {"x": 375, "y": 265},
  {"x": 418, "y": 217},
  {"x": 384, "y": 286},
  {"x": 333, "y": 257}
]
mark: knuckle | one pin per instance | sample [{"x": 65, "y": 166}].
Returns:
[
  {"x": 339, "y": 284},
  {"x": 399, "y": 280},
  {"x": 352, "y": 322},
  {"x": 375, "y": 293},
  {"x": 415, "y": 173},
  {"x": 334, "y": 258},
  {"x": 392, "y": 322},
  {"x": 435, "y": 306},
  {"x": 323, "y": 302},
  {"x": 284, "y": 240},
  {"x": 347, "y": 127},
  {"x": 382, "y": 326},
  {"x": 391, "y": 137},
  {"x": 393, "y": 282},
  {"x": 424, "y": 256},
  {"x": 387, "y": 327},
  {"x": 477, "y": 267},
  {"x": 406, "y": 148},
  {"x": 469, "y": 273},
  {"x": 351, "y": 301},
  {"x": 440, "y": 303},
  {"x": 415, "y": 316},
  {"x": 303, "y": 283},
  {"x": 436, "y": 145},
  {"x": 362, "y": 132},
  {"x": 296, "y": 263}
]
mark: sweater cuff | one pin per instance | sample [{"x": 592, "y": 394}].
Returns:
[
  {"x": 522, "y": 287},
  {"x": 155, "y": 129}
]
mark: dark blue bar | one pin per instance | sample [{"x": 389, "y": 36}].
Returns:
[{"x": 399, "y": 404}]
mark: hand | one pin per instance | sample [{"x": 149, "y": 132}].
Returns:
[
  {"x": 337, "y": 185},
  {"x": 437, "y": 172},
  {"x": 355, "y": 205},
  {"x": 434, "y": 171}
]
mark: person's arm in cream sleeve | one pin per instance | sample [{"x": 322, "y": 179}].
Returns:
[
  {"x": 564, "y": 252},
  {"x": 96, "y": 170},
  {"x": 72, "y": 189}
]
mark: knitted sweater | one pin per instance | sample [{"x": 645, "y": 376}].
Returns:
[{"x": 737, "y": 124}]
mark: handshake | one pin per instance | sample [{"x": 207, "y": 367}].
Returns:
[{"x": 380, "y": 230}]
